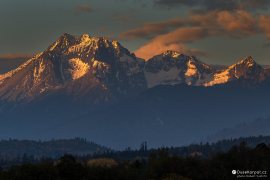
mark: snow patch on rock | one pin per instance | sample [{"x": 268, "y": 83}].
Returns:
[
  {"x": 170, "y": 77},
  {"x": 78, "y": 68}
]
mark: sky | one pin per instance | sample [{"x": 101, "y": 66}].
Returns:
[{"x": 216, "y": 31}]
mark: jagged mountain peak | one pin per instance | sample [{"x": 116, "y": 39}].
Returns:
[
  {"x": 246, "y": 65},
  {"x": 63, "y": 42},
  {"x": 172, "y": 58},
  {"x": 248, "y": 62},
  {"x": 172, "y": 67},
  {"x": 97, "y": 65},
  {"x": 170, "y": 53},
  {"x": 173, "y": 55},
  {"x": 68, "y": 44},
  {"x": 77, "y": 65},
  {"x": 246, "y": 70},
  {"x": 85, "y": 37},
  {"x": 67, "y": 36}
]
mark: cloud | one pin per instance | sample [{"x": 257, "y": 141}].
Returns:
[
  {"x": 174, "y": 35},
  {"x": 241, "y": 20},
  {"x": 264, "y": 23},
  {"x": 15, "y": 56},
  {"x": 237, "y": 24},
  {"x": 184, "y": 35},
  {"x": 234, "y": 24},
  {"x": 176, "y": 3},
  {"x": 84, "y": 8},
  {"x": 229, "y": 5},
  {"x": 172, "y": 41},
  {"x": 150, "y": 30}
]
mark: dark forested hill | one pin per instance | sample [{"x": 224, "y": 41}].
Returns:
[
  {"x": 238, "y": 161},
  {"x": 13, "y": 152},
  {"x": 260, "y": 126},
  {"x": 205, "y": 150},
  {"x": 12, "y": 148}
]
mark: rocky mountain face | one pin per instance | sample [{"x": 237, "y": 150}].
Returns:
[
  {"x": 174, "y": 68},
  {"x": 267, "y": 70},
  {"x": 99, "y": 70},
  {"x": 78, "y": 66},
  {"x": 95, "y": 88},
  {"x": 245, "y": 70}
]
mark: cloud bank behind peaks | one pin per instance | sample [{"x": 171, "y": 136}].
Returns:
[
  {"x": 230, "y": 5},
  {"x": 173, "y": 41},
  {"x": 150, "y": 30},
  {"x": 175, "y": 36}
]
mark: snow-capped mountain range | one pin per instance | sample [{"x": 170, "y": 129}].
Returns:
[
  {"x": 174, "y": 68},
  {"x": 83, "y": 86},
  {"x": 100, "y": 70},
  {"x": 78, "y": 66}
]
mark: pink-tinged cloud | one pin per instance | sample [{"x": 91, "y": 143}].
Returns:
[
  {"x": 234, "y": 24},
  {"x": 174, "y": 36},
  {"x": 240, "y": 21},
  {"x": 172, "y": 41},
  {"x": 209, "y": 5},
  {"x": 237, "y": 23},
  {"x": 183, "y": 35},
  {"x": 15, "y": 56},
  {"x": 264, "y": 23},
  {"x": 149, "y": 30}
]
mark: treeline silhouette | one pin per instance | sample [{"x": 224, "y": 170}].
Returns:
[
  {"x": 17, "y": 152},
  {"x": 160, "y": 164},
  {"x": 13, "y": 151},
  {"x": 204, "y": 150}
]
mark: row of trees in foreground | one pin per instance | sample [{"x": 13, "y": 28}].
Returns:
[{"x": 160, "y": 164}]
